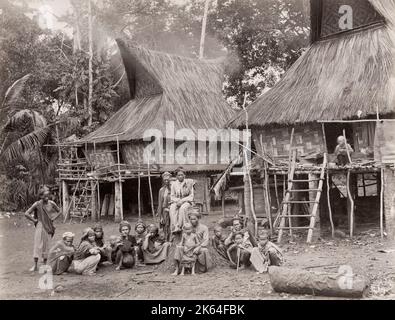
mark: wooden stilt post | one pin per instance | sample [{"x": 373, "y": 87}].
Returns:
[
  {"x": 120, "y": 182},
  {"x": 350, "y": 206},
  {"x": 276, "y": 191},
  {"x": 98, "y": 200},
  {"x": 118, "y": 203},
  {"x": 289, "y": 177},
  {"x": 150, "y": 190},
  {"x": 65, "y": 199},
  {"x": 328, "y": 188},
  {"x": 94, "y": 214},
  {"x": 382, "y": 204},
  {"x": 223, "y": 204},
  {"x": 138, "y": 191},
  {"x": 265, "y": 188}
]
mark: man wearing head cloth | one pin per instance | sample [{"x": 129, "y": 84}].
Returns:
[
  {"x": 42, "y": 213},
  {"x": 181, "y": 199},
  {"x": 203, "y": 263},
  {"x": 164, "y": 204}
]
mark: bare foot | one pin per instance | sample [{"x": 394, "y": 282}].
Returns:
[
  {"x": 175, "y": 273},
  {"x": 182, "y": 274},
  {"x": 193, "y": 273},
  {"x": 33, "y": 269},
  {"x": 118, "y": 268}
]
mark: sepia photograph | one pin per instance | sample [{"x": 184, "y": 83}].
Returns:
[{"x": 210, "y": 151}]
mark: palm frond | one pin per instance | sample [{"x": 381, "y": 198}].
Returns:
[
  {"x": 31, "y": 141},
  {"x": 14, "y": 90},
  {"x": 25, "y": 115}
]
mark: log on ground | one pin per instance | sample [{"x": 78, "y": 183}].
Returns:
[{"x": 342, "y": 284}]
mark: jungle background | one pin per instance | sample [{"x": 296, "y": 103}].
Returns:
[{"x": 61, "y": 74}]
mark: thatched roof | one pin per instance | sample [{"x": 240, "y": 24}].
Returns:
[
  {"x": 334, "y": 79},
  {"x": 164, "y": 88}
]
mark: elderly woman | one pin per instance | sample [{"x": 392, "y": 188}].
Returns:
[
  {"x": 42, "y": 213},
  {"x": 87, "y": 255},
  {"x": 61, "y": 254},
  {"x": 181, "y": 198},
  {"x": 164, "y": 204},
  {"x": 125, "y": 252},
  {"x": 155, "y": 247}
]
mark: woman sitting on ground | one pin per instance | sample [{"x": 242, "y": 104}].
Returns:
[
  {"x": 87, "y": 255},
  {"x": 140, "y": 230},
  {"x": 61, "y": 254},
  {"x": 99, "y": 240},
  {"x": 155, "y": 247},
  {"x": 126, "y": 253}
]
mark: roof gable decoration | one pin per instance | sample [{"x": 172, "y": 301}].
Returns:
[
  {"x": 164, "y": 87},
  {"x": 334, "y": 17}
]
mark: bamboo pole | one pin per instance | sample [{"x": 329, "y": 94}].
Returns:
[
  {"x": 289, "y": 178},
  {"x": 329, "y": 203},
  {"x": 150, "y": 189},
  {"x": 138, "y": 192},
  {"x": 265, "y": 189},
  {"x": 351, "y": 200},
  {"x": 381, "y": 183},
  {"x": 247, "y": 169},
  {"x": 119, "y": 179},
  {"x": 90, "y": 64},
  {"x": 382, "y": 204},
  {"x": 223, "y": 204},
  {"x": 203, "y": 34},
  {"x": 348, "y": 151},
  {"x": 276, "y": 191}
]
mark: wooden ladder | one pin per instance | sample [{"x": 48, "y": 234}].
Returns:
[
  {"x": 82, "y": 204},
  {"x": 286, "y": 210}
]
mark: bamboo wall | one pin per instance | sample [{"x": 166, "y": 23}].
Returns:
[{"x": 276, "y": 140}]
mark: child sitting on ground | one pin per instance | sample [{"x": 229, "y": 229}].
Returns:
[
  {"x": 239, "y": 252},
  {"x": 189, "y": 242},
  {"x": 266, "y": 254},
  {"x": 218, "y": 242},
  {"x": 125, "y": 256},
  {"x": 110, "y": 248}
]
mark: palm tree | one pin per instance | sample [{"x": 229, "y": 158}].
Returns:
[{"x": 25, "y": 134}]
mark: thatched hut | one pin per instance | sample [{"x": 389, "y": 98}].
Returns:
[
  {"x": 341, "y": 84},
  {"x": 173, "y": 99}
]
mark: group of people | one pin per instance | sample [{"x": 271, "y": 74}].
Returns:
[{"x": 179, "y": 224}]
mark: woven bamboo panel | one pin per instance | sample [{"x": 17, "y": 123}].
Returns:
[
  {"x": 276, "y": 141},
  {"x": 363, "y": 14}
]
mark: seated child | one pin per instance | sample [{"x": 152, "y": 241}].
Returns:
[
  {"x": 189, "y": 242},
  {"x": 341, "y": 152},
  {"x": 125, "y": 256},
  {"x": 218, "y": 242},
  {"x": 240, "y": 251},
  {"x": 110, "y": 248},
  {"x": 266, "y": 254},
  {"x": 140, "y": 235}
]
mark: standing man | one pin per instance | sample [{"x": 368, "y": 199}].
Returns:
[
  {"x": 164, "y": 204},
  {"x": 181, "y": 197},
  {"x": 42, "y": 213},
  {"x": 203, "y": 263}
]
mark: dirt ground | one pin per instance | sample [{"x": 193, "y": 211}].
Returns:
[{"x": 16, "y": 282}]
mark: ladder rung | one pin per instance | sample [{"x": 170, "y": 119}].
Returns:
[
  {"x": 296, "y": 216},
  {"x": 305, "y": 190},
  {"x": 300, "y": 202},
  {"x": 295, "y": 228},
  {"x": 309, "y": 180}
]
